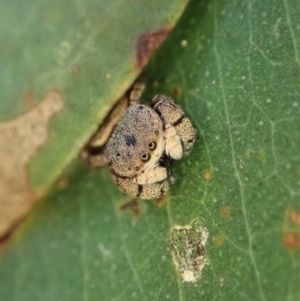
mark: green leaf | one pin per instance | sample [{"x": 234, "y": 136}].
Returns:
[
  {"x": 234, "y": 68},
  {"x": 63, "y": 65}
]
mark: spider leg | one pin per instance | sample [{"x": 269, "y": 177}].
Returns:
[
  {"x": 173, "y": 147},
  {"x": 157, "y": 174},
  {"x": 146, "y": 192},
  {"x": 136, "y": 92},
  {"x": 173, "y": 115}
]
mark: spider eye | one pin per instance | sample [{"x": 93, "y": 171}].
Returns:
[
  {"x": 146, "y": 157},
  {"x": 137, "y": 168},
  {"x": 156, "y": 132},
  {"x": 152, "y": 146}
]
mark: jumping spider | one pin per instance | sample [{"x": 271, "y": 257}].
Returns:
[{"x": 140, "y": 143}]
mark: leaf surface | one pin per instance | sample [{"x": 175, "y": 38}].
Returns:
[
  {"x": 63, "y": 65},
  {"x": 234, "y": 68}
]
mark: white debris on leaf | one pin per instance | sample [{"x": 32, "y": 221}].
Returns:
[{"x": 188, "y": 250}]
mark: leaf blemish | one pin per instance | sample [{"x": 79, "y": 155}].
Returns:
[
  {"x": 221, "y": 281},
  {"x": 148, "y": 43},
  {"x": 294, "y": 216},
  {"x": 291, "y": 240},
  {"x": 219, "y": 240},
  {"x": 132, "y": 206},
  {"x": 20, "y": 140},
  {"x": 176, "y": 92},
  {"x": 188, "y": 250},
  {"x": 207, "y": 175},
  {"x": 258, "y": 155},
  {"x": 162, "y": 201},
  {"x": 63, "y": 183},
  {"x": 225, "y": 212},
  {"x": 28, "y": 98}
]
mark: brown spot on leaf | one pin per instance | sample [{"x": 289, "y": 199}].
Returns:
[
  {"x": 176, "y": 92},
  {"x": 28, "y": 98},
  {"x": 63, "y": 183},
  {"x": 291, "y": 240},
  {"x": 132, "y": 206},
  {"x": 20, "y": 139},
  {"x": 219, "y": 240},
  {"x": 294, "y": 217},
  {"x": 155, "y": 83},
  {"x": 147, "y": 43},
  {"x": 225, "y": 212},
  {"x": 207, "y": 175},
  {"x": 162, "y": 201}
]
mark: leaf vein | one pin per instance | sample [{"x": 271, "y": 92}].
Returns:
[
  {"x": 128, "y": 257},
  {"x": 289, "y": 23},
  {"x": 83, "y": 253},
  {"x": 234, "y": 161}
]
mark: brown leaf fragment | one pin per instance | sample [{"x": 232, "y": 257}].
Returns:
[
  {"x": 147, "y": 43},
  {"x": 20, "y": 140}
]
